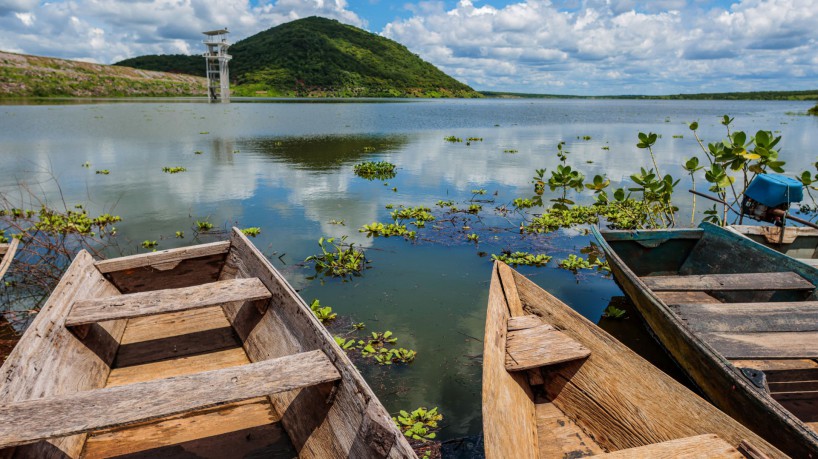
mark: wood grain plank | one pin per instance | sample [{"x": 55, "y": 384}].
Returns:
[
  {"x": 729, "y": 282},
  {"x": 523, "y": 322},
  {"x": 163, "y": 258},
  {"x": 49, "y": 361},
  {"x": 32, "y": 420},
  {"x": 509, "y": 414},
  {"x": 539, "y": 347},
  {"x": 7, "y": 251},
  {"x": 174, "y": 324},
  {"x": 750, "y": 317},
  {"x": 561, "y": 437},
  {"x": 179, "y": 429},
  {"x": 164, "y": 301},
  {"x": 699, "y": 297},
  {"x": 510, "y": 290},
  {"x": 176, "y": 367},
  {"x": 775, "y": 345},
  {"x": 700, "y": 446}
]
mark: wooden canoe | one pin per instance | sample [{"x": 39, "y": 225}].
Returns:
[
  {"x": 7, "y": 252},
  {"x": 204, "y": 351},
  {"x": 739, "y": 318},
  {"x": 797, "y": 242},
  {"x": 557, "y": 386}
]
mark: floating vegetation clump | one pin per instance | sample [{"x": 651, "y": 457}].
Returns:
[
  {"x": 371, "y": 170},
  {"x": 323, "y": 313},
  {"x": 523, "y": 258},
  {"x": 173, "y": 170},
  {"x": 419, "y": 214},
  {"x": 510, "y": 150},
  {"x": 203, "y": 226},
  {"x": 391, "y": 229},
  {"x": 86, "y": 165},
  {"x": 447, "y": 203},
  {"x": 612, "y": 312},
  {"x": 336, "y": 260},
  {"x": 148, "y": 244},
  {"x": 374, "y": 347},
  {"x": 252, "y": 231},
  {"x": 421, "y": 424},
  {"x": 180, "y": 234},
  {"x": 103, "y": 172},
  {"x": 452, "y": 139}
]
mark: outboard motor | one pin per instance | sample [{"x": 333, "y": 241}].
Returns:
[{"x": 769, "y": 197}]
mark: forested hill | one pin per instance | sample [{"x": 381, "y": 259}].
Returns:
[{"x": 320, "y": 57}]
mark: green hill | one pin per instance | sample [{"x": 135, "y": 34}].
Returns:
[
  {"x": 321, "y": 57},
  {"x": 34, "y": 76}
]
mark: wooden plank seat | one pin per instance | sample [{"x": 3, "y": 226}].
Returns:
[
  {"x": 764, "y": 345},
  {"x": 33, "y": 420},
  {"x": 729, "y": 282},
  {"x": 86, "y": 312},
  {"x": 540, "y": 346},
  {"x": 800, "y": 316},
  {"x": 709, "y": 446}
]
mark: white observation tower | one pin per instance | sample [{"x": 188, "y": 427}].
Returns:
[{"x": 218, "y": 75}]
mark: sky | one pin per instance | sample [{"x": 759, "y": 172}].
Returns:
[{"x": 578, "y": 47}]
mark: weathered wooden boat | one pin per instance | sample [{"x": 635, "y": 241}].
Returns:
[
  {"x": 739, "y": 318},
  {"x": 798, "y": 242},
  {"x": 203, "y": 351},
  {"x": 7, "y": 252},
  {"x": 557, "y": 386}
]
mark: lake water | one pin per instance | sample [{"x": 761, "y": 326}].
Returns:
[{"x": 287, "y": 167}]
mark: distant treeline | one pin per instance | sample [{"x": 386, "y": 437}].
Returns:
[{"x": 756, "y": 95}]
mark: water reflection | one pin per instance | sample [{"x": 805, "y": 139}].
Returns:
[{"x": 287, "y": 168}]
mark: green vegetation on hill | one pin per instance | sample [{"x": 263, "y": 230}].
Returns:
[
  {"x": 34, "y": 76},
  {"x": 321, "y": 57},
  {"x": 813, "y": 110}
]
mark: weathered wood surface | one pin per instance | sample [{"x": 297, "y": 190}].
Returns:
[
  {"x": 509, "y": 414},
  {"x": 560, "y": 437},
  {"x": 7, "y": 252},
  {"x": 32, "y": 420},
  {"x": 174, "y": 335},
  {"x": 728, "y": 282},
  {"x": 783, "y": 369},
  {"x": 142, "y": 304},
  {"x": 523, "y": 322},
  {"x": 700, "y": 446},
  {"x": 540, "y": 346},
  {"x": 776, "y": 345},
  {"x": 164, "y": 259},
  {"x": 510, "y": 290},
  {"x": 49, "y": 361},
  {"x": 619, "y": 397},
  {"x": 750, "y": 317},
  {"x": 355, "y": 424},
  {"x": 232, "y": 357},
  {"x": 772, "y": 234},
  {"x": 699, "y": 297},
  {"x": 179, "y": 429}
]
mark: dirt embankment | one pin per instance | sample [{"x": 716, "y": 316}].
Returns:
[{"x": 33, "y": 76}]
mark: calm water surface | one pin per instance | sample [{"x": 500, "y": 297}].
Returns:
[{"x": 287, "y": 167}]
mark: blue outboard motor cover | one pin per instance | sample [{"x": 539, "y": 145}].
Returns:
[{"x": 773, "y": 190}]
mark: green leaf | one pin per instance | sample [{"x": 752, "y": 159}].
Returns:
[{"x": 694, "y": 125}]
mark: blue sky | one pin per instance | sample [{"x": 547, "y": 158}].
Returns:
[{"x": 586, "y": 47}]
